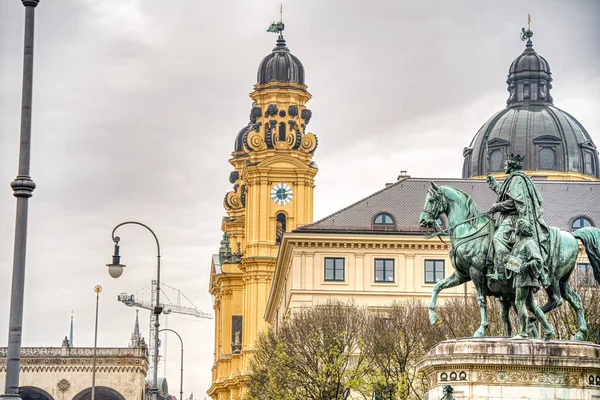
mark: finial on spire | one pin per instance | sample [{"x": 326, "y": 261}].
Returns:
[
  {"x": 527, "y": 34},
  {"x": 278, "y": 27},
  {"x": 71, "y": 329}
]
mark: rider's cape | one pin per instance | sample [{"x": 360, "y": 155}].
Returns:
[{"x": 519, "y": 187}]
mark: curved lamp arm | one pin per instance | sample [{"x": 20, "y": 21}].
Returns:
[{"x": 116, "y": 239}]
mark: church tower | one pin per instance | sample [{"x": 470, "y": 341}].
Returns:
[{"x": 273, "y": 183}]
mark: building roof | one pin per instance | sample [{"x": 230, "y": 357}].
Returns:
[
  {"x": 280, "y": 66},
  {"x": 404, "y": 201},
  {"x": 549, "y": 138}
]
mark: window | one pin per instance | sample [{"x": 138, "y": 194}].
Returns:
[
  {"x": 585, "y": 275},
  {"x": 280, "y": 227},
  {"x": 581, "y": 222},
  {"x": 334, "y": 269},
  {"x": 497, "y": 160},
  {"x": 384, "y": 270},
  {"x": 434, "y": 271},
  {"x": 588, "y": 163},
  {"x": 547, "y": 158},
  {"x": 383, "y": 219}
]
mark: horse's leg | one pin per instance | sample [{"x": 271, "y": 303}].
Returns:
[
  {"x": 574, "y": 300},
  {"x": 453, "y": 280},
  {"x": 479, "y": 283},
  {"x": 554, "y": 300},
  {"x": 505, "y": 306}
]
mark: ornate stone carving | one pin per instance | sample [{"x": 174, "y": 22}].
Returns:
[
  {"x": 293, "y": 111},
  {"x": 306, "y": 115},
  {"x": 255, "y": 113},
  {"x": 63, "y": 385},
  {"x": 528, "y": 378},
  {"x": 271, "y": 110}
]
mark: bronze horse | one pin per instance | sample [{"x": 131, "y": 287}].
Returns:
[{"x": 470, "y": 233}]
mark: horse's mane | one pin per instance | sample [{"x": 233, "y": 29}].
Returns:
[{"x": 472, "y": 210}]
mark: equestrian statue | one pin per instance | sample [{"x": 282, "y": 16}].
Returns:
[{"x": 509, "y": 252}]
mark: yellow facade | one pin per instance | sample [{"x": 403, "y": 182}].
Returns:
[
  {"x": 273, "y": 182},
  {"x": 300, "y": 273}
]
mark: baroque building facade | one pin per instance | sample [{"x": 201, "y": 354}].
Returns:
[
  {"x": 274, "y": 259},
  {"x": 273, "y": 183}
]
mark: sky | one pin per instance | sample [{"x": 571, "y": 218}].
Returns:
[{"x": 136, "y": 105}]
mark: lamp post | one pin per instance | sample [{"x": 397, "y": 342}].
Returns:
[
  {"x": 115, "y": 269},
  {"x": 23, "y": 188},
  {"x": 97, "y": 289},
  {"x": 181, "y": 380}
]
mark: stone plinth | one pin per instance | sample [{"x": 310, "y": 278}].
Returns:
[{"x": 501, "y": 368}]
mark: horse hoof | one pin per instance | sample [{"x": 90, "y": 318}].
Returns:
[
  {"x": 550, "y": 335},
  {"x": 578, "y": 336},
  {"x": 480, "y": 332},
  {"x": 432, "y": 317}
]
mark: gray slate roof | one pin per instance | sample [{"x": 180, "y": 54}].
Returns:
[{"x": 404, "y": 200}]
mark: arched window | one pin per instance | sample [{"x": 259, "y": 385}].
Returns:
[
  {"x": 547, "y": 158},
  {"x": 383, "y": 219},
  {"x": 581, "y": 222},
  {"x": 496, "y": 160},
  {"x": 280, "y": 227}
]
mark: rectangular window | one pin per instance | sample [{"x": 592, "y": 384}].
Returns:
[
  {"x": 334, "y": 269},
  {"x": 585, "y": 275},
  {"x": 434, "y": 271},
  {"x": 384, "y": 270}
]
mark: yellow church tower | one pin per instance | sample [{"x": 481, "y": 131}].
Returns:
[{"x": 273, "y": 183}]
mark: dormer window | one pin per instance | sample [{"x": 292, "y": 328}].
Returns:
[
  {"x": 384, "y": 219},
  {"x": 581, "y": 222}
]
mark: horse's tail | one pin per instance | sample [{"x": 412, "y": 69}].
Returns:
[{"x": 590, "y": 237}]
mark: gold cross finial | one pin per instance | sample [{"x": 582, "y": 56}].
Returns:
[
  {"x": 528, "y": 22},
  {"x": 281, "y": 13}
]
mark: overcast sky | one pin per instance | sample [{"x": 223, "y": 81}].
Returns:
[{"x": 137, "y": 103}]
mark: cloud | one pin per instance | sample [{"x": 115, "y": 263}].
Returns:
[{"x": 137, "y": 104}]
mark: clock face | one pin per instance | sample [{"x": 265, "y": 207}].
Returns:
[{"x": 281, "y": 194}]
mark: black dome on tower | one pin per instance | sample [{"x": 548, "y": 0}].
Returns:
[
  {"x": 550, "y": 139},
  {"x": 280, "y": 66}
]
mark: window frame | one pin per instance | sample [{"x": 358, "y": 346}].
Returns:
[
  {"x": 343, "y": 259},
  {"x": 384, "y": 215},
  {"x": 582, "y": 219},
  {"x": 434, "y": 261},
  {"x": 384, "y": 260}
]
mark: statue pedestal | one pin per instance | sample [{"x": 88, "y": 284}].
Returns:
[{"x": 500, "y": 368}]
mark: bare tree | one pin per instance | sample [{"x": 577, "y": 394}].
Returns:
[
  {"x": 395, "y": 339},
  {"x": 317, "y": 355}
]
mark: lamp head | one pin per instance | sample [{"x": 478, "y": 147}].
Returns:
[{"x": 115, "y": 269}]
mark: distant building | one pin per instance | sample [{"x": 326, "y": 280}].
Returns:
[{"x": 61, "y": 373}]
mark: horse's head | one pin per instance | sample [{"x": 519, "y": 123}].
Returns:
[{"x": 435, "y": 204}]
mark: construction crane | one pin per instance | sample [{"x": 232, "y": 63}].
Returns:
[{"x": 167, "y": 308}]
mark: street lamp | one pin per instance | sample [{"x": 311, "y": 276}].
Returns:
[
  {"x": 181, "y": 380},
  {"x": 97, "y": 289},
  {"x": 23, "y": 188},
  {"x": 115, "y": 269}
]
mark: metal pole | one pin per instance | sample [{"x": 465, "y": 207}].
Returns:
[
  {"x": 23, "y": 188},
  {"x": 97, "y": 289},
  {"x": 181, "y": 380},
  {"x": 157, "y": 309}
]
